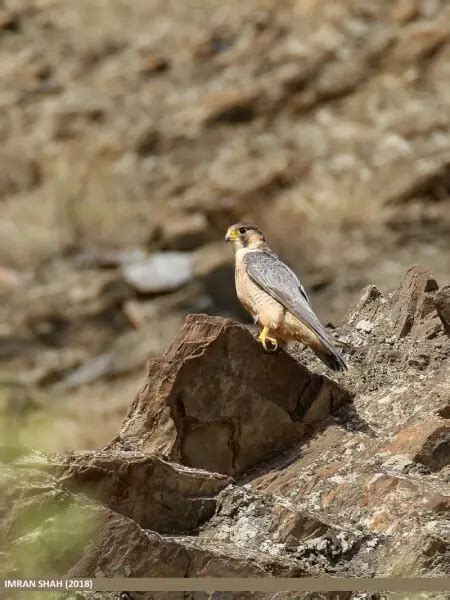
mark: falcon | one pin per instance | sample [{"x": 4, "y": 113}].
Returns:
[{"x": 276, "y": 299}]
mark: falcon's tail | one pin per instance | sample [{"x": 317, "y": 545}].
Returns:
[{"x": 331, "y": 357}]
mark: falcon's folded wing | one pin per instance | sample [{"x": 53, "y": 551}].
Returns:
[{"x": 277, "y": 279}]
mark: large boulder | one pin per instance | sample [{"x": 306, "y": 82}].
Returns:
[{"x": 216, "y": 400}]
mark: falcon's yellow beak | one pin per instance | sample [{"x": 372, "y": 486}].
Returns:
[{"x": 231, "y": 235}]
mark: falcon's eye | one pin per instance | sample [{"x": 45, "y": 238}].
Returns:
[{"x": 242, "y": 230}]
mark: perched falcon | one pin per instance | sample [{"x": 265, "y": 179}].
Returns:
[{"x": 272, "y": 293}]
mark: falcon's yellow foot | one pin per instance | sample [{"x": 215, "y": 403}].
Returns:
[{"x": 264, "y": 338}]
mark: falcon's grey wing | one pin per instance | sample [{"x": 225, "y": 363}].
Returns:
[{"x": 277, "y": 279}]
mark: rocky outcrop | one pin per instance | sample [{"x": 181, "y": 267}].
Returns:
[
  {"x": 327, "y": 123},
  {"x": 232, "y": 461},
  {"x": 170, "y": 497},
  {"x": 216, "y": 402}
]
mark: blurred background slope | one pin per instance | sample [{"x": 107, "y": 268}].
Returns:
[{"x": 133, "y": 133}]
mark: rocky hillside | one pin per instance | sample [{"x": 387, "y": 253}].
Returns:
[
  {"x": 232, "y": 461},
  {"x": 157, "y": 124},
  {"x": 134, "y": 133}
]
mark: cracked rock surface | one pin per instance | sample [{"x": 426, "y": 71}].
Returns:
[{"x": 234, "y": 462}]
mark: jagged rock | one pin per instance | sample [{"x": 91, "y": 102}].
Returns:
[
  {"x": 381, "y": 461},
  {"x": 216, "y": 400},
  {"x": 157, "y": 495},
  {"x": 151, "y": 555},
  {"x": 427, "y": 442},
  {"x": 258, "y": 522},
  {"x": 413, "y": 299},
  {"x": 145, "y": 555},
  {"x": 326, "y": 480},
  {"x": 442, "y": 302}
]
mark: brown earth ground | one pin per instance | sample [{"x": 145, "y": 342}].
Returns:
[{"x": 130, "y": 128}]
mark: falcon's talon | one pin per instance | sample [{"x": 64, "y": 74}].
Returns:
[{"x": 264, "y": 338}]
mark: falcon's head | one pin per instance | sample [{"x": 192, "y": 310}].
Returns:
[{"x": 244, "y": 235}]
